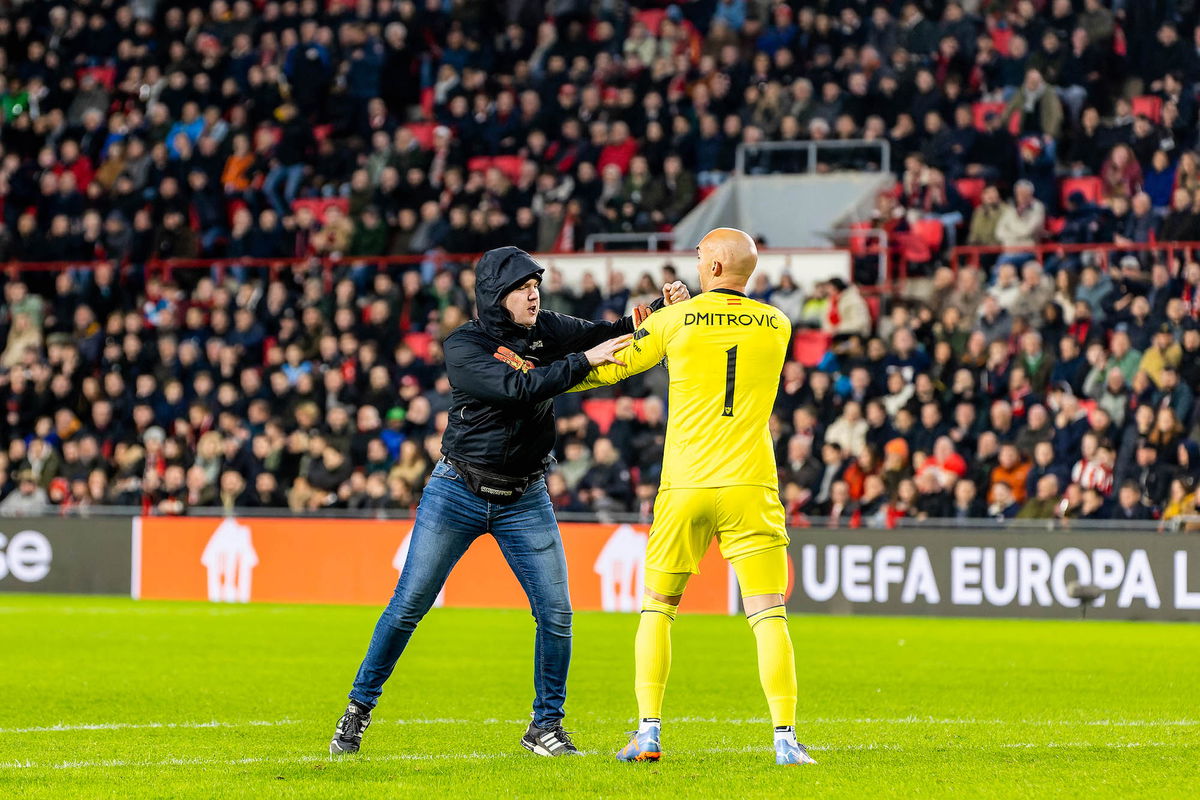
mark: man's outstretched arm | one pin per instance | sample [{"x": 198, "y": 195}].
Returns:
[
  {"x": 580, "y": 334},
  {"x": 648, "y": 348}
]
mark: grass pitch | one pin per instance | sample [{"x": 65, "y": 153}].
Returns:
[{"x": 112, "y": 698}]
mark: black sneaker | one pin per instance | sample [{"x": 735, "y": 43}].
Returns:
[
  {"x": 553, "y": 741},
  {"x": 350, "y": 728}
]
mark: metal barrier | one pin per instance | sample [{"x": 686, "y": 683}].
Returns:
[
  {"x": 811, "y": 148},
  {"x": 651, "y": 240},
  {"x": 857, "y": 240},
  {"x": 972, "y": 255}
]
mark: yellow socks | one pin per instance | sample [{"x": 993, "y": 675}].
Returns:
[
  {"x": 776, "y": 662},
  {"x": 652, "y": 652}
]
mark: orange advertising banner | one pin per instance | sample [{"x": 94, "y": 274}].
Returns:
[{"x": 242, "y": 560}]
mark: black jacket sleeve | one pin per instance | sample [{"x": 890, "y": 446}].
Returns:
[
  {"x": 571, "y": 334},
  {"x": 473, "y": 366}
]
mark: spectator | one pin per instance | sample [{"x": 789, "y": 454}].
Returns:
[
  {"x": 1021, "y": 222},
  {"x": 1121, "y": 172},
  {"x": 1129, "y": 506},
  {"x": 1038, "y": 105},
  {"x": 1002, "y": 505},
  {"x": 985, "y": 218},
  {"x": 1044, "y": 504},
  {"x": 848, "y": 312},
  {"x": 27, "y": 500},
  {"x": 1010, "y": 472},
  {"x": 849, "y": 431},
  {"x": 1094, "y": 469},
  {"x": 967, "y": 504}
]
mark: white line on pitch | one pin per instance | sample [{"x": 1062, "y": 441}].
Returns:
[
  {"x": 309, "y": 759},
  {"x": 121, "y": 726},
  {"x": 1116, "y": 723}
]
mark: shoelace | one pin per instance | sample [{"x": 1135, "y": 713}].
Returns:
[
  {"x": 352, "y": 723},
  {"x": 561, "y": 735}
]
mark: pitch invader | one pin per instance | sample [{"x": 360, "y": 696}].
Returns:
[{"x": 724, "y": 352}]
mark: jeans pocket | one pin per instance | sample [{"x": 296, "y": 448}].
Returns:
[{"x": 444, "y": 469}]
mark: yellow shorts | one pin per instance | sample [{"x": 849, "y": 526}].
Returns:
[{"x": 745, "y": 519}]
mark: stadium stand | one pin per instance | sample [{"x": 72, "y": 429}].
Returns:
[{"x": 235, "y": 234}]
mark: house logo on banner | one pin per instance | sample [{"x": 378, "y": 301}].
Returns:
[
  {"x": 230, "y": 559},
  {"x": 620, "y": 565},
  {"x": 399, "y": 560}
]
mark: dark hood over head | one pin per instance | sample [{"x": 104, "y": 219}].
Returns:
[{"x": 498, "y": 272}]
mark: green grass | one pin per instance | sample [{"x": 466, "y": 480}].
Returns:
[{"x": 890, "y": 707}]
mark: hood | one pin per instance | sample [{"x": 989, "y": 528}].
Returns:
[{"x": 498, "y": 272}]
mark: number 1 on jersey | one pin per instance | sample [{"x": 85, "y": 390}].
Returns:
[{"x": 730, "y": 379}]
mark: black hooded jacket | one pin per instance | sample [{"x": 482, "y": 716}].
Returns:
[{"x": 503, "y": 376}]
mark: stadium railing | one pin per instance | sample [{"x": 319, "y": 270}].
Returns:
[
  {"x": 813, "y": 150},
  {"x": 651, "y": 240},
  {"x": 974, "y": 255},
  {"x": 866, "y": 242},
  {"x": 805, "y": 264}
]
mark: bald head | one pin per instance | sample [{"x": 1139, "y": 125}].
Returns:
[{"x": 727, "y": 258}]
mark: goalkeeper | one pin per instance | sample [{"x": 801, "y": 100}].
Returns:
[{"x": 724, "y": 352}]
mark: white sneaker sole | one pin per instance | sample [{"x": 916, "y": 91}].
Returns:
[
  {"x": 336, "y": 749},
  {"x": 537, "y": 749}
]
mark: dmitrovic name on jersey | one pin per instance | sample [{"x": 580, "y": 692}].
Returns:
[{"x": 716, "y": 318}]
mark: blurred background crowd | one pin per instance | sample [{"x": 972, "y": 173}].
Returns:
[{"x": 134, "y": 131}]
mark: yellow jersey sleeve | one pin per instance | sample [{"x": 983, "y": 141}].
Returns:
[{"x": 647, "y": 349}]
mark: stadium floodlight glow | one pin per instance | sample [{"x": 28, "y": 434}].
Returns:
[{"x": 1085, "y": 593}]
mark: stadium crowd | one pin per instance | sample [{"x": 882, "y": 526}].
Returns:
[{"x": 138, "y": 131}]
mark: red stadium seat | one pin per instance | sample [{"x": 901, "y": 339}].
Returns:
[
  {"x": 931, "y": 232},
  {"x": 1091, "y": 186},
  {"x": 420, "y": 343},
  {"x": 1148, "y": 105},
  {"x": 1055, "y": 225},
  {"x": 1001, "y": 37},
  {"x": 479, "y": 163},
  {"x": 322, "y": 132},
  {"x": 236, "y": 204},
  {"x": 980, "y": 110},
  {"x": 105, "y": 76},
  {"x": 652, "y": 18},
  {"x": 423, "y": 133},
  {"x": 602, "y": 411},
  {"x": 971, "y": 189},
  {"x": 509, "y": 165},
  {"x": 427, "y": 99},
  {"x": 873, "y": 305},
  {"x": 913, "y": 249},
  {"x": 809, "y": 347},
  {"x": 860, "y": 242},
  {"x": 319, "y": 205}
]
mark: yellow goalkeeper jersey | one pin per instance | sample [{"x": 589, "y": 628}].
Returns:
[{"x": 724, "y": 354}]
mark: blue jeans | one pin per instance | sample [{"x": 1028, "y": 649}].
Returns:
[
  {"x": 448, "y": 520},
  {"x": 290, "y": 176}
]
